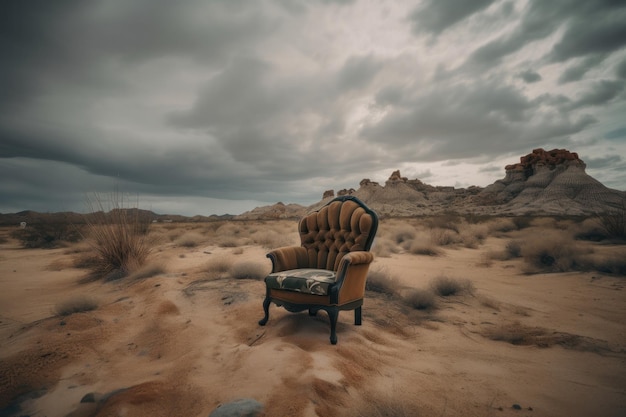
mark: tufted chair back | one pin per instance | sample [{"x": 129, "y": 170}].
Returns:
[{"x": 341, "y": 226}]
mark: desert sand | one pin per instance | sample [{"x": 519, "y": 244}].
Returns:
[{"x": 184, "y": 339}]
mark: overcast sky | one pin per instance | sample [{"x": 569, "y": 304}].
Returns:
[{"x": 212, "y": 107}]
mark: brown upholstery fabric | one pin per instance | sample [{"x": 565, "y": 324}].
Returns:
[{"x": 333, "y": 231}]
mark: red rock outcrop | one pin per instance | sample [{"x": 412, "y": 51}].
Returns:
[{"x": 540, "y": 157}]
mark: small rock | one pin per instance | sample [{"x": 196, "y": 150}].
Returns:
[
  {"x": 245, "y": 407},
  {"x": 516, "y": 407}
]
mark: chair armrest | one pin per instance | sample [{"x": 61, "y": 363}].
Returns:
[
  {"x": 357, "y": 258},
  {"x": 351, "y": 276},
  {"x": 288, "y": 257}
]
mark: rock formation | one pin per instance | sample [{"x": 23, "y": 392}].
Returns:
[
  {"x": 542, "y": 183},
  {"x": 549, "y": 182}
]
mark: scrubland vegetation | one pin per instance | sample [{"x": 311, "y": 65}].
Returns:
[
  {"x": 210, "y": 263},
  {"x": 544, "y": 244}
]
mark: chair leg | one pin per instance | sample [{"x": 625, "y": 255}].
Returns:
[
  {"x": 333, "y": 314},
  {"x": 357, "y": 316},
  {"x": 266, "y": 309}
]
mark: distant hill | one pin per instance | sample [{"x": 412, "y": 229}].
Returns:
[
  {"x": 542, "y": 183},
  {"x": 11, "y": 219}
]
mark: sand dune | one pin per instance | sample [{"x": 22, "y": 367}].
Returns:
[{"x": 185, "y": 340}]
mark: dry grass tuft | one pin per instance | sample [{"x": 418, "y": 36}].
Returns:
[
  {"x": 424, "y": 246},
  {"x": 420, "y": 299},
  {"x": 553, "y": 251},
  {"x": 250, "y": 270},
  {"x": 384, "y": 247},
  {"x": 78, "y": 304},
  {"x": 117, "y": 237},
  {"x": 190, "y": 240},
  {"x": 445, "y": 286},
  {"x": 218, "y": 267},
  {"x": 381, "y": 281},
  {"x": 444, "y": 237}
]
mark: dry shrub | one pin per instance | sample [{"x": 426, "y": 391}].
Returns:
[
  {"x": 613, "y": 222},
  {"x": 420, "y": 299},
  {"x": 448, "y": 221},
  {"x": 609, "y": 264},
  {"x": 424, "y": 246},
  {"x": 272, "y": 239},
  {"x": 473, "y": 235},
  {"x": 218, "y": 266},
  {"x": 445, "y": 286},
  {"x": 384, "y": 247},
  {"x": 553, "y": 251},
  {"x": 512, "y": 250},
  {"x": 443, "y": 237},
  {"x": 501, "y": 225},
  {"x": 522, "y": 222},
  {"x": 48, "y": 233},
  {"x": 401, "y": 233},
  {"x": 229, "y": 229},
  {"x": 190, "y": 240},
  {"x": 589, "y": 229},
  {"x": 230, "y": 242},
  {"x": 78, "y": 304},
  {"x": 250, "y": 270},
  {"x": 117, "y": 237},
  {"x": 381, "y": 281}
]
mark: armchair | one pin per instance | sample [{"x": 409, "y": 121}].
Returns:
[{"x": 329, "y": 269}]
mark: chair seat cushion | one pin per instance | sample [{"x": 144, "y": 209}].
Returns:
[{"x": 305, "y": 280}]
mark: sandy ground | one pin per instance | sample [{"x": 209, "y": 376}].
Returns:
[{"x": 184, "y": 341}]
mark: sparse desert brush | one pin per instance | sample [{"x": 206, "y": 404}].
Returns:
[
  {"x": 381, "y": 281},
  {"x": 47, "y": 233},
  {"x": 384, "y": 247},
  {"x": 613, "y": 222},
  {"x": 522, "y": 222},
  {"x": 190, "y": 240},
  {"x": 77, "y": 304},
  {"x": 444, "y": 237},
  {"x": 501, "y": 225},
  {"x": 472, "y": 235},
  {"x": 420, "y": 299},
  {"x": 229, "y": 229},
  {"x": 218, "y": 266},
  {"x": 401, "y": 233},
  {"x": 118, "y": 237},
  {"x": 250, "y": 270},
  {"x": 445, "y": 286},
  {"x": 553, "y": 251},
  {"x": 271, "y": 239},
  {"x": 610, "y": 264},
  {"x": 423, "y": 245},
  {"x": 589, "y": 229},
  {"x": 448, "y": 221},
  {"x": 512, "y": 250}
]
